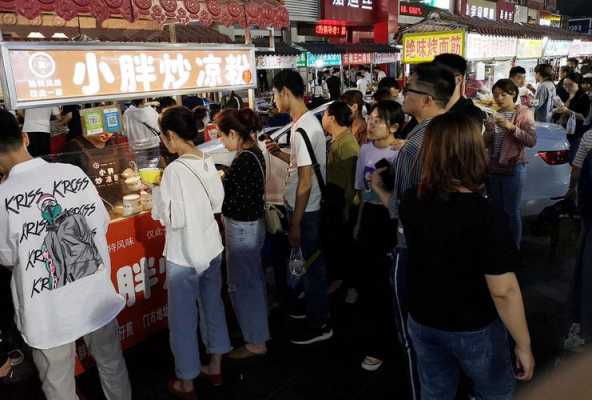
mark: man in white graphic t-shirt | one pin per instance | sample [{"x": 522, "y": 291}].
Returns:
[
  {"x": 53, "y": 237},
  {"x": 303, "y": 200}
]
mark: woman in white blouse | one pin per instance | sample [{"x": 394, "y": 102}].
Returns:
[{"x": 189, "y": 195}]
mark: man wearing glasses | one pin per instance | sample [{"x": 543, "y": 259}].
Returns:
[
  {"x": 426, "y": 97},
  {"x": 458, "y": 102}
]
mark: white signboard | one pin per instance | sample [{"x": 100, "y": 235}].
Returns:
[
  {"x": 276, "y": 62},
  {"x": 579, "y": 48},
  {"x": 557, "y": 48},
  {"x": 386, "y": 58},
  {"x": 480, "y": 47}
]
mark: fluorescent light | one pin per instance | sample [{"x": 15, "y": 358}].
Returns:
[
  {"x": 35, "y": 35},
  {"x": 59, "y": 35}
]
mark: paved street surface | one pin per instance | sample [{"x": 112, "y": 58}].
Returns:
[{"x": 331, "y": 371}]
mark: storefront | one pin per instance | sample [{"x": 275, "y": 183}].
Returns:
[
  {"x": 52, "y": 74},
  {"x": 490, "y": 57}
]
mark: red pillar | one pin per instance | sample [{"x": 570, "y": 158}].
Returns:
[{"x": 386, "y": 21}]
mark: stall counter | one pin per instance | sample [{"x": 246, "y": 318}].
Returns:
[{"x": 138, "y": 272}]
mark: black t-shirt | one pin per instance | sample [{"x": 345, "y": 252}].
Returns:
[
  {"x": 75, "y": 124},
  {"x": 581, "y": 105},
  {"x": 244, "y": 187},
  {"x": 454, "y": 240},
  {"x": 467, "y": 107}
]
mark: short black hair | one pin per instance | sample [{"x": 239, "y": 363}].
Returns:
[
  {"x": 507, "y": 86},
  {"x": 11, "y": 137},
  {"x": 290, "y": 79},
  {"x": 382, "y": 93},
  {"x": 456, "y": 63},
  {"x": 575, "y": 77},
  {"x": 587, "y": 81},
  {"x": 440, "y": 78},
  {"x": 342, "y": 113},
  {"x": 566, "y": 69},
  {"x": 517, "y": 71},
  {"x": 389, "y": 82},
  {"x": 544, "y": 70}
]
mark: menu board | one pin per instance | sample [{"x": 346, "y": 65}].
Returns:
[{"x": 44, "y": 74}]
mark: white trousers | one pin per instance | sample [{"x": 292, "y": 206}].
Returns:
[{"x": 57, "y": 366}]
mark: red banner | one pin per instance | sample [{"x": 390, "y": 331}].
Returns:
[{"x": 139, "y": 274}]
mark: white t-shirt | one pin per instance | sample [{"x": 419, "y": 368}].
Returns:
[
  {"x": 299, "y": 157},
  {"x": 183, "y": 206},
  {"x": 365, "y": 167},
  {"x": 53, "y": 229},
  {"x": 37, "y": 119},
  {"x": 139, "y": 136},
  {"x": 362, "y": 85}
]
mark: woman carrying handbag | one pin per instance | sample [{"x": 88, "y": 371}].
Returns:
[{"x": 189, "y": 195}]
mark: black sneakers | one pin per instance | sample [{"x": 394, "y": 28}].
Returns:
[{"x": 313, "y": 335}]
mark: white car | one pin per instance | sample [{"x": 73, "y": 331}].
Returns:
[{"x": 547, "y": 180}]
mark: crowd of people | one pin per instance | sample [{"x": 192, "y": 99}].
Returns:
[{"x": 412, "y": 204}]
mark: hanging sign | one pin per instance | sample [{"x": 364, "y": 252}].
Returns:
[
  {"x": 322, "y": 60},
  {"x": 480, "y": 47},
  {"x": 357, "y": 58},
  {"x": 45, "y": 74},
  {"x": 276, "y": 62},
  {"x": 530, "y": 48},
  {"x": 386, "y": 58},
  {"x": 423, "y": 47}
]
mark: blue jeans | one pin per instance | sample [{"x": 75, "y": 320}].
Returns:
[
  {"x": 315, "y": 284},
  {"x": 187, "y": 288},
  {"x": 505, "y": 191},
  {"x": 246, "y": 281},
  {"x": 483, "y": 356}
]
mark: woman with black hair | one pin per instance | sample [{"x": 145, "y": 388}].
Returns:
[
  {"x": 576, "y": 106},
  {"x": 243, "y": 208},
  {"x": 374, "y": 232},
  {"x": 355, "y": 101},
  {"x": 189, "y": 195}
]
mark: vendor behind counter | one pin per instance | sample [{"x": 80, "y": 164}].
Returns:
[{"x": 103, "y": 161}]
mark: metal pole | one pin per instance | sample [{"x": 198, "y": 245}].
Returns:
[{"x": 250, "y": 92}]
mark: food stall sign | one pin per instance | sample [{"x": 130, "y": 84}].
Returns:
[
  {"x": 386, "y": 58},
  {"x": 301, "y": 61},
  {"x": 580, "y": 48},
  {"x": 482, "y": 47},
  {"x": 357, "y": 58},
  {"x": 277, "y": 62},
  {"x": 557, "y": 48},
  {"x": 424, "y": 46},
  {"x": 331, "y": 30},
  {"x": 530, "y": 48},
  {"x": 37, "y": 75},
  {"x": 322, "y": 60},
  {"x": 481, "y": 9}
]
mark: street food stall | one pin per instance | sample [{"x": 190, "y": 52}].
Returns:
[
  {"x": 50, "y": 74},
  {"x": 315, "y": 57}
]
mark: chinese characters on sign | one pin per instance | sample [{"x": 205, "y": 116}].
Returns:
[
  {"x": 423, "y": 47},
  {"x": 357, "y": 58},
  {"x": 480, "y": 11},
  {"x": 353, "y": 11},
  {"x": 330, "y": 30},
  {"x": 62, "y": 72},
  {"x": 276, "y": 62},
  {"x": 322, "y": 60},
  {"x": 412, "y": 10},
  {"x": 530, "y": 48},
  {"x": 483, "y": 47}
]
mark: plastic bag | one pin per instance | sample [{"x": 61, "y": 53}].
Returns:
[
  {"x": 570, "y": 127},
  {"x": 296, "y": 263}
]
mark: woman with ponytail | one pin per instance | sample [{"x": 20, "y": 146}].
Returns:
[
  {"x": 185, "y": 202},
  {"x": 243, "y": 208}
]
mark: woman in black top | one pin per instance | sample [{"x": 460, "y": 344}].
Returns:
[
  {"x": 578, "y": 106},
  {"x": 461, "y": 279},
  {"x": 243, "y": 208}
]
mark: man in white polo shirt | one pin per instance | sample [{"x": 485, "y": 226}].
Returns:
[{"x": 53, "y": 237}]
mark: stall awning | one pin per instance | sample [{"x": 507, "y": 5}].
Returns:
[
  {"x": 261, "y": 13},
  {"x": 281, "y": 48},
  {"x": 441, "y": 21}
]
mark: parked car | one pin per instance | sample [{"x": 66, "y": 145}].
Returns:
[{"x": 548, "y": 170}]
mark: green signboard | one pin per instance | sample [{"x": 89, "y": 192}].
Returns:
[{"x": 322, "y": 60}]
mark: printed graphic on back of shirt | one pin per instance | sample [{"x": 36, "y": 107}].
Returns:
[{"x": 69, "y": 251}]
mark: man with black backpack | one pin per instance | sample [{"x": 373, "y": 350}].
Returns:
[{"x": 303, "y": 194}]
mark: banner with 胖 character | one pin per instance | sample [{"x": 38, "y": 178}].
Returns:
[
  {"x": 38, "y": 75},
  {"x": 424, "y": 46},
  {"x": 138, "y": 272}
]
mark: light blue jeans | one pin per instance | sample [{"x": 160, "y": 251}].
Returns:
[
  {"x": 189, "y": 295},
  {"x": 246, "y": 281},
  {"x": 505, "y": 191}
]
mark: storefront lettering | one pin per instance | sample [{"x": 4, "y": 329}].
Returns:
[
  {"x": 140, "y": 277},
  {"x": 424, "y": 47}
]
